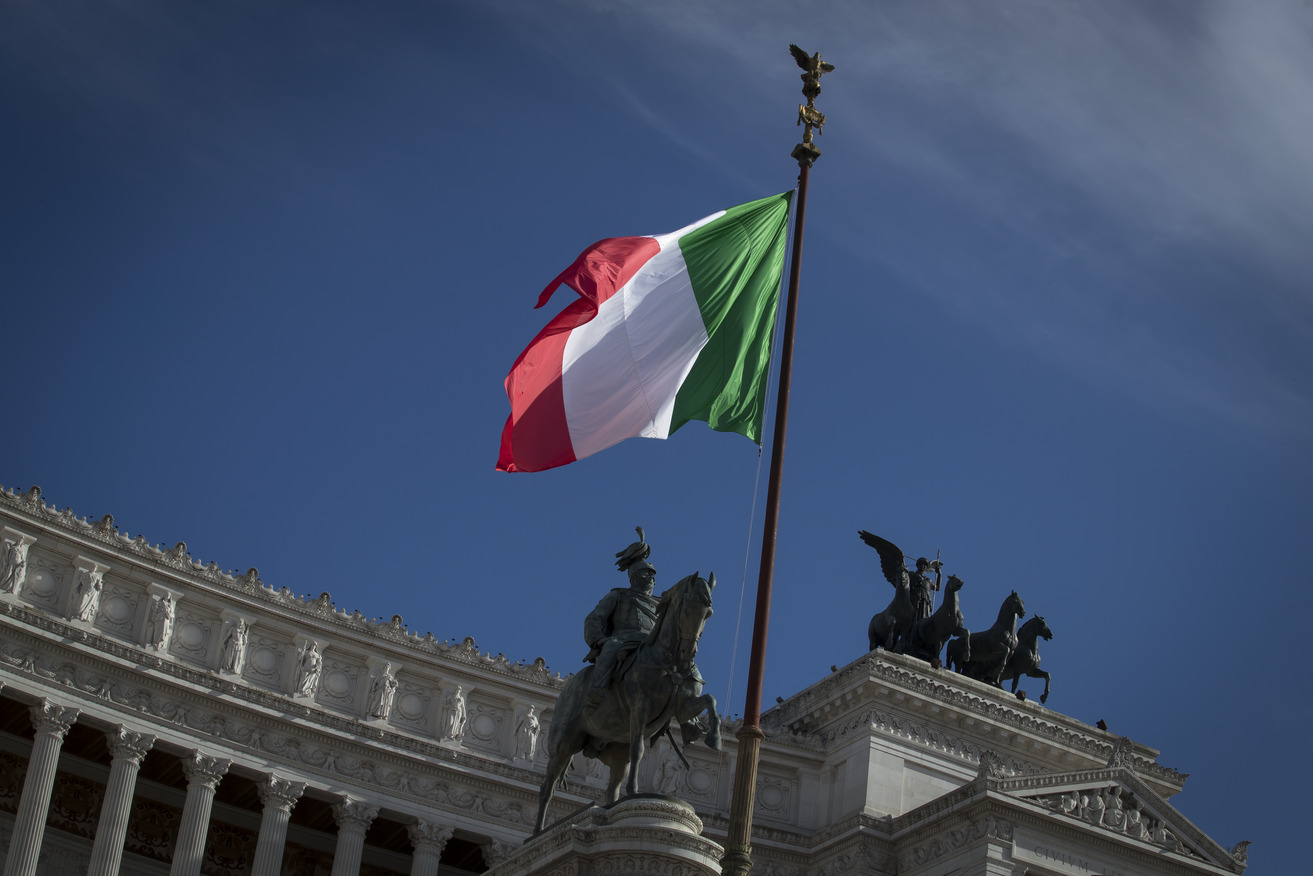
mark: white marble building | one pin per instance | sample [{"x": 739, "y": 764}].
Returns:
[{"x": 158, "y": 715}]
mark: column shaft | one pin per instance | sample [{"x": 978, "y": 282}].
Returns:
[
  {"x": 279, "y": 796},
  {"x": 203, "y": 775},
  {"x": 128, "y": 749},
  {"x": 428, "y": 840},
  {"x": 51, "y": 723},
  {"x": 353, "y": 819}
]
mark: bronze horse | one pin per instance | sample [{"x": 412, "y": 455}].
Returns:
[
  {"x": 1025, "y": 660},
  {"x": 891, "y": 625},
  {"x": 929, "y": 635},
  {"x": 983, "y": 655},
  {"x": 654, "y": 685}
]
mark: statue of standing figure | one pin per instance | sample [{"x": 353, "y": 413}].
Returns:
[
  {"x": 526, "y": 735},
  {"x": 456, "y": 714},
  {"x": 160, "y": 624},
  {"x": 87, "y": 595},
  {"x": 234, "y": 647},
  {"x": 309, "y": 665},
  {"x": 15, "y": 567},
  {"x": 381, "y": 692}
]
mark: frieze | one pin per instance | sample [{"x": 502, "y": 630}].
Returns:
[
  {"x": 248, "y": 584},
  {"x": 987, "y": 828},
  {"x": 866, "y": 857},
  {"x": 880, "y": 721}
]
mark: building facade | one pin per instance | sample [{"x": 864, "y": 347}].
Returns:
[{"x": 161, "y": 716}]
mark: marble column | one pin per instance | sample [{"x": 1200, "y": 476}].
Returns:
[
  {"x": 51, "y": 723},
  {"x": 127, "y": 748},
  {"x": 203, "y": 774},
  {"x": 429, "y": 840},
  {"x": 279, "y": 796},
  {"x": 353, "y": 819}
]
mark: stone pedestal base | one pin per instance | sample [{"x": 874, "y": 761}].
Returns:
[{"x": 648, "y": 834}]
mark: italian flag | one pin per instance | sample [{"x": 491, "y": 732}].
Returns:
[{"x": 667, "y": 328}]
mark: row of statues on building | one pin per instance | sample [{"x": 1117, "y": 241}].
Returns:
[
  {"x": 911, "y": 625},
  {"x": 84, "y": 605},
  {"x": 1107, "y": 809}
]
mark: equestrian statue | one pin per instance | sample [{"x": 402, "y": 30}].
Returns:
[{"x": 642, "y": 676}]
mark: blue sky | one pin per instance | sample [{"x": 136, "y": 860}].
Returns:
[{"x": 266, "y": 267}]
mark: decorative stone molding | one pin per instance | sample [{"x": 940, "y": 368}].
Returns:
[
  {"x": 988, "y": 828},
  {"x": 799, "y": 716}
]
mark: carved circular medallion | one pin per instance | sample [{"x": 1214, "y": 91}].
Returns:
[
  {"x": 116, "y": 609},
  {"x": 264, "y": 659},
  {"x": 699, "y": 781},
  {"x": 484, "y": 726},
  {"x": 189, "y": 636},
  {"x": 39, "y": 583},
  {"x": 337, "y": 683},
  {"x": 411, "y": 706},
  {"x": 770, "y": 797}
]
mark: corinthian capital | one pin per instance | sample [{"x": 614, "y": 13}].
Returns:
[
  {"x": 427, "y": 836},
  {"x": 280, "y": 793},
  {"x": 47, "y": 717},
  {"x": 351, "y": 811},
  {"x": 205, "y": 770},
  {"x": 129, "y": 745}
]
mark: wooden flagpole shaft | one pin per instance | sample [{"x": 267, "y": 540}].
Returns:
[{"x": 738, "y": 848}]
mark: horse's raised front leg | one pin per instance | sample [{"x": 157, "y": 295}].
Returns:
[
  {"x": 692, "y": 707},
  {"x": 1040, "y": 673}
]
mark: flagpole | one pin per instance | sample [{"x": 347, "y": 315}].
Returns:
[{"x": 738, "y": 846}]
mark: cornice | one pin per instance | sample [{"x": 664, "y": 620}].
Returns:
[
  {"x": 247, "y": 587},
  {"x": 826, "y": 710}
]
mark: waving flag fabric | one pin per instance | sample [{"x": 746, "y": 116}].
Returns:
[{"x": 667, "y": 328}]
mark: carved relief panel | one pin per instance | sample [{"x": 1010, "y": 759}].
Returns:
[
  {"x": 777, "y": 796},
  {"x": 341, "y": 681},
  {"x": 415, "y": 707},
  {"x": 45, "y": 581},
  {"x": 268, "y": 659},
  {"x": 118, "y": 609},
  {"x": 195, "y": 634},
  {"x": 487, "y": 724}
]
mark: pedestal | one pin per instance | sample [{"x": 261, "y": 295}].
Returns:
[{"x": 647, "y": 834}]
